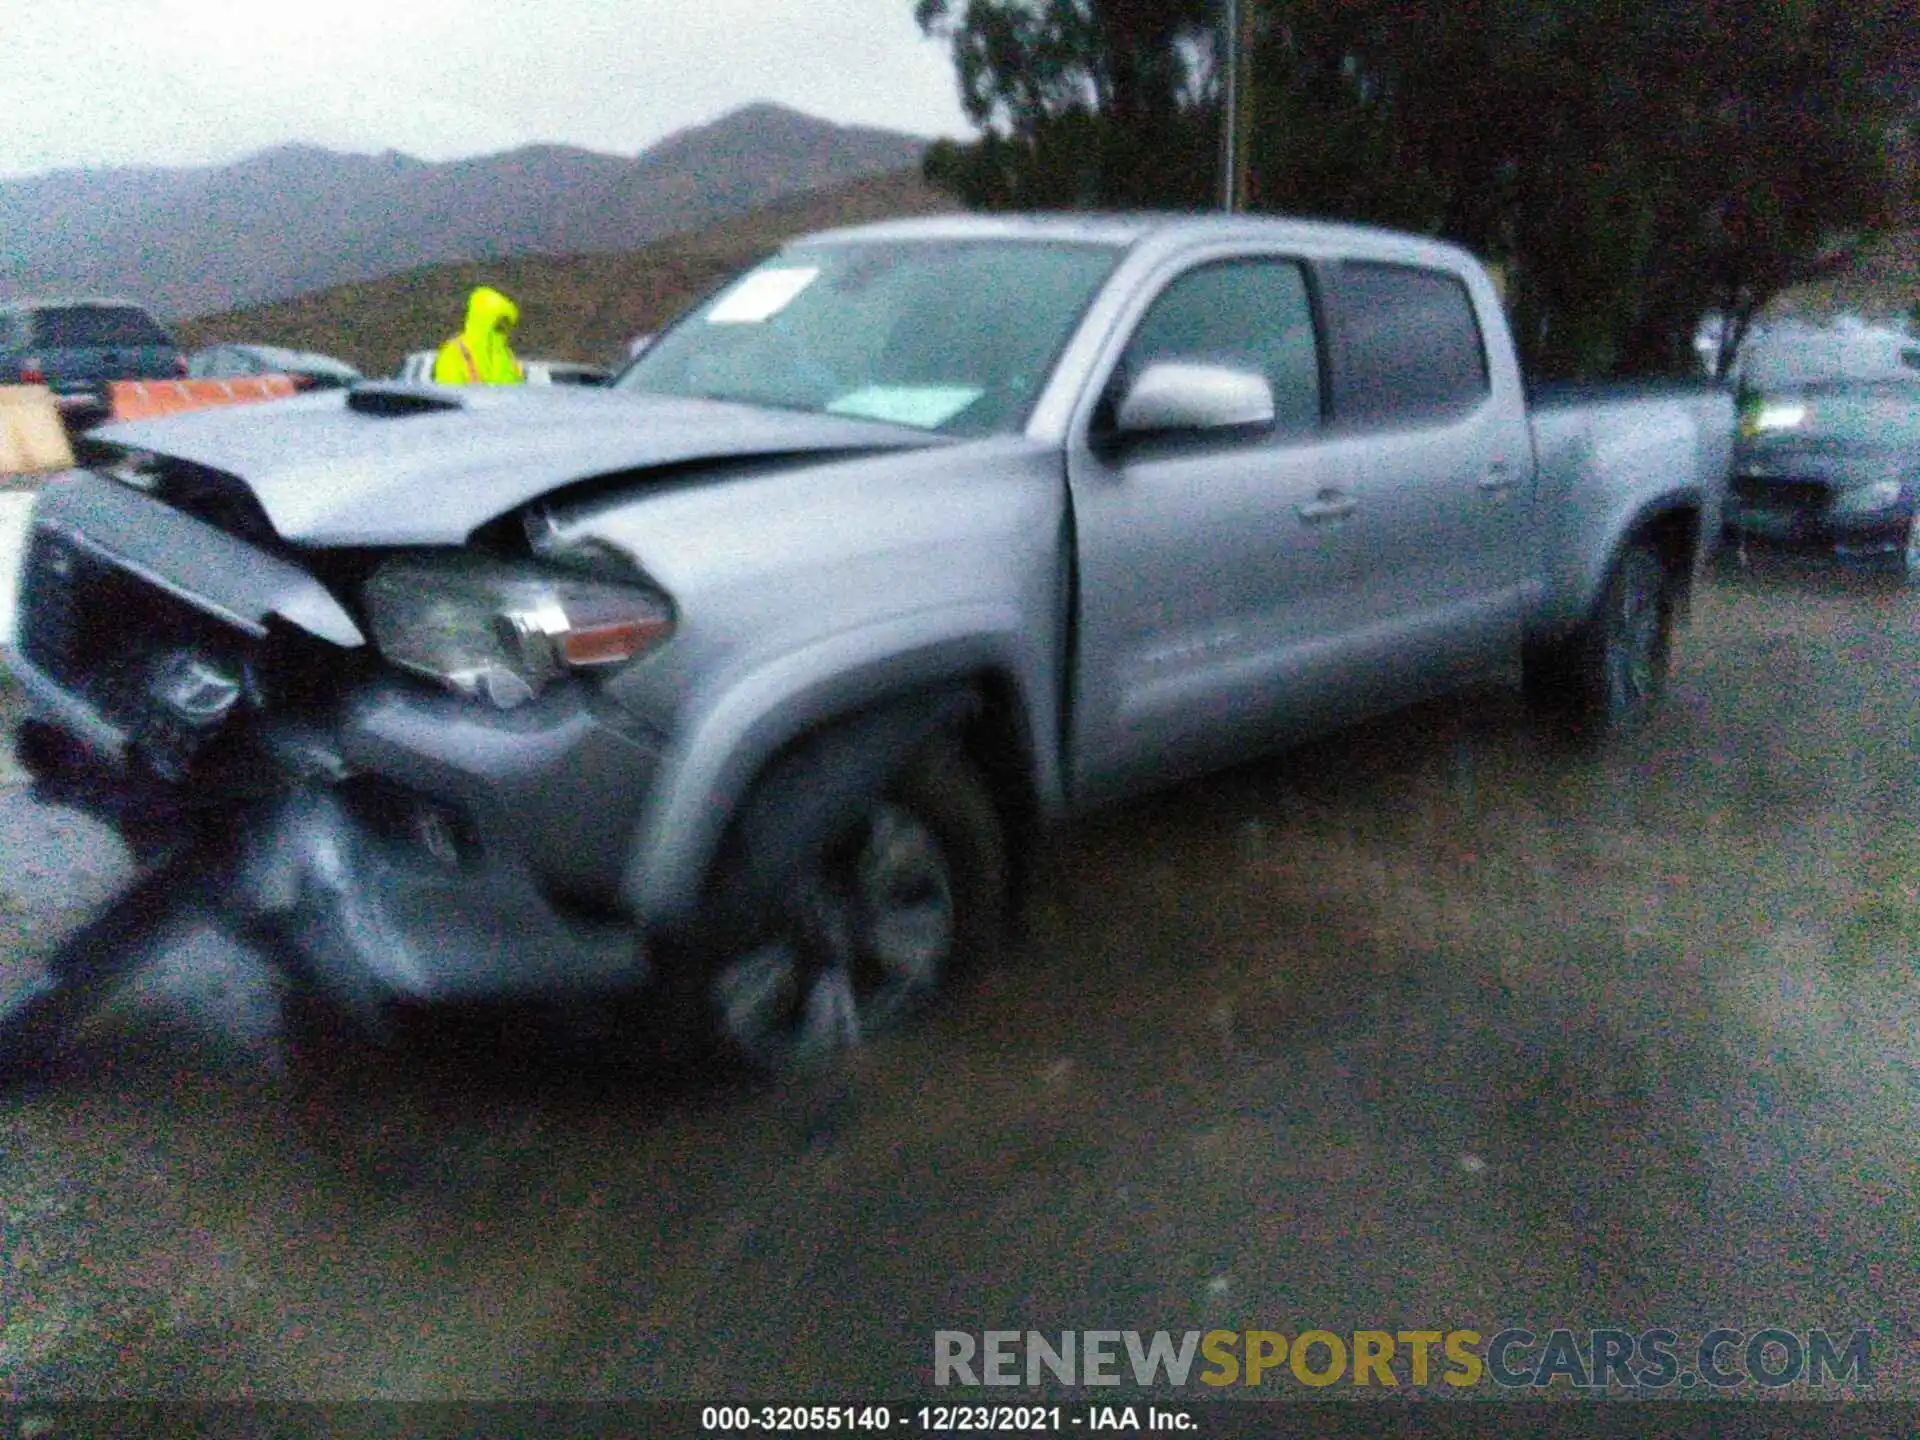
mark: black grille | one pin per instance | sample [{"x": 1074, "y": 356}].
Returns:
[
  {"x": 98, "y": 630},
  {"x": 1781, "y": 494}
]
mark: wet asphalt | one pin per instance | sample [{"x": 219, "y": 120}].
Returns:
[{"x": 1432, "y": 1025}]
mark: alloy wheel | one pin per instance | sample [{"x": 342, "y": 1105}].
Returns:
[{"x": 868, "y": 944}]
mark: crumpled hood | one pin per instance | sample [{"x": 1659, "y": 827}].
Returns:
[{"x": 327, "y": 474}]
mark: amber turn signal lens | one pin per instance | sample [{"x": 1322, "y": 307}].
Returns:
[{"x": 610, "y": 642}]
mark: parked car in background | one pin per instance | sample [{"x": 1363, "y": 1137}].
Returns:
[
  {"x": 77, "y": 347},
  {"x": 417, "y": 369},
  {"x": 236, "y": 361},
  {"x": 1832, "y": 465}
]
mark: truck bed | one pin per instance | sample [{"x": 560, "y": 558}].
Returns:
[{"x": 1600, "y": 448}]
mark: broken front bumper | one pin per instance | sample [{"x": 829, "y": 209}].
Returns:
[
  {"x": 376, "y": 918},
  {"x": 408, "y": 844},
  {"x": 410, "y": 852}
]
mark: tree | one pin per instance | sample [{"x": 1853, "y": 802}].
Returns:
[
  {"x": 1080, "y": 102},
  {"x": 1633, "y": 164}
]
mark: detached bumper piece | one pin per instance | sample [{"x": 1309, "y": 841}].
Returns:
[{"x": 40, "y": 1013}]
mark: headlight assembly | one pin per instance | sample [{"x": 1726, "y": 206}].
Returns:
[{"x": 503, "y": 631}]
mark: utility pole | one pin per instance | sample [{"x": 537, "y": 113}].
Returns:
[{"x": 1243, "y": 111}]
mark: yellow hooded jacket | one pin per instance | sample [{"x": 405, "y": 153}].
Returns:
[{"x": 479, "y": 354}]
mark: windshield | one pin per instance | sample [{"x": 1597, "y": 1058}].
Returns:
[
  {"x": 954, "y": 336},
  {"x": 79, "y": 326}
]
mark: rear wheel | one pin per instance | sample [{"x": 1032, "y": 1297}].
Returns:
[
  {"x": 904, "y": 899},
  {"x": 1609, "y": 674}
]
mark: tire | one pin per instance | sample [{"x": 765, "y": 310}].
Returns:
[
  {"x": 1609, "y": 675},
  {"x": 908, "y": 898}
]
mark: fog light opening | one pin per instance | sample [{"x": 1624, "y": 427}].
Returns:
[{"x": 434, "y": 831}]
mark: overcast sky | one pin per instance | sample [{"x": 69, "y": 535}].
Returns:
[{"x": 182, "y": 82}]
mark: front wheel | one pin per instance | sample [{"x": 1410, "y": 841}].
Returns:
[
  {"x": 895, "y": 907},
  {"x": 1609, "y": 674}
]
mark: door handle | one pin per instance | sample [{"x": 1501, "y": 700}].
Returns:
[
  {"x": 1327, "y": 505},
  {"x": 1498, "y": 477}
]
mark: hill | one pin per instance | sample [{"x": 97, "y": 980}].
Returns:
[
  {"x": 298, "y": 218},
  {"x": 581, "y": 307}
]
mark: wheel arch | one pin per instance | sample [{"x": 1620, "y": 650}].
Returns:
[
  {"x": 882, "y": 709},
  {"x": 1671, "y": 523}
]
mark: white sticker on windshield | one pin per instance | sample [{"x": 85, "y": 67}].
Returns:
[
  {"x": 922, "y": 406},
  {"x": 761, "y": 295}
]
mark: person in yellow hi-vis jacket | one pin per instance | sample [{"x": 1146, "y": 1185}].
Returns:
[{"x": 479, "y": 354}]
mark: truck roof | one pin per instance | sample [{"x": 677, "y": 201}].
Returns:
[{"x": 1168, "y": 229}]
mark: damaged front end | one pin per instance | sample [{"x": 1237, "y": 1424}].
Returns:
[{"x": 198, "y": 686}]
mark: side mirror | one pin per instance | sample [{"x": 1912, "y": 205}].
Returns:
[{"x": 1173, "y": 395}]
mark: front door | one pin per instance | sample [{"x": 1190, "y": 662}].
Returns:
[{"x": 1215, "y": 568}]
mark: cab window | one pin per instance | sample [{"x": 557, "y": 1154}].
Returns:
[{"x": 1410, "y": 348}]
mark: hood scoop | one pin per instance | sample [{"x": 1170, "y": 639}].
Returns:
[{"x": 386, "y": 404}]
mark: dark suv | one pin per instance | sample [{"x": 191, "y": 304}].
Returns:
[
  {"x": 1832, "y": 466},
  {"x": 76, "y": 347}
]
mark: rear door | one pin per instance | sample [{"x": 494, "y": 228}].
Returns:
[
  {"x": 1212, "y": 572},
  {"x": 1433, "y": 447}
]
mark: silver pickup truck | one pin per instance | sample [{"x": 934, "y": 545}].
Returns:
[{"x": 747, "y": 682}]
